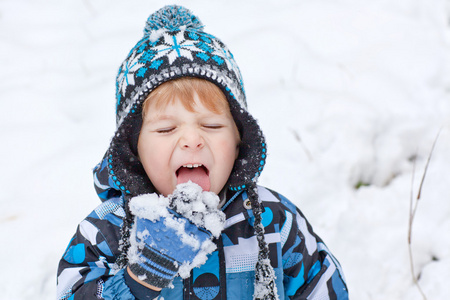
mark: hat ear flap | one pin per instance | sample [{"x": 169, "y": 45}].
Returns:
[
  {"x": 252, "y": 150},
  {"x": 124, "y": 167}
]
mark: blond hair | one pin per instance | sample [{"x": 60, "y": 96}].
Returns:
[{"x": 184, "y": 89}]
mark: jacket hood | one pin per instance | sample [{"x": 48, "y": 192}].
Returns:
[{"x": 104, "y": 183}]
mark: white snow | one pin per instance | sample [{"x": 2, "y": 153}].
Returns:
[
  {"x": 267, "y": 275},
  {"x": 185, "y": 238},
  {"x": 348, "y": 93},
  {"x": 149, "y": 206},
  {"x": 135, "y": 250},
  {"x": 207, "y": 247},
  {"x": 199, "y": 207},
  {"x": 189, "y": 201}
]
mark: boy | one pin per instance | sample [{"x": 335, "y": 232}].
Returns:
[{"x": 182, "y": 216}]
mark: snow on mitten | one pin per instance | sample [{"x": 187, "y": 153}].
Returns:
[{"x": 173, "y": 235}]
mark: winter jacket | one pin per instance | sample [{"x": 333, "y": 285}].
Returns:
[{"x": 304, "y": 267}]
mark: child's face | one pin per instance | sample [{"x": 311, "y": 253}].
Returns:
[{"x": 174, "y": 140}]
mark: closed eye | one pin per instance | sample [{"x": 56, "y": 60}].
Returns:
[
  {"x": 165, "y": 130},
  {"x": 213, "y": 126}
]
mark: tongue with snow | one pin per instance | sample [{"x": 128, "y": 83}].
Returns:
[{"x": 196, "y": 175}]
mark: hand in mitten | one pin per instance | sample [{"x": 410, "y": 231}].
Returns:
[{"x": 173, "y": 235}]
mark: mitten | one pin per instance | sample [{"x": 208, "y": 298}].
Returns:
[{"x": 173, "y": 235}]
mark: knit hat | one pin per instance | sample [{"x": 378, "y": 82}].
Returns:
[{"x": 174, "y": 45}]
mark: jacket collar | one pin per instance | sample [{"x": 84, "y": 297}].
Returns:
[{"x": 238, "y": 208}]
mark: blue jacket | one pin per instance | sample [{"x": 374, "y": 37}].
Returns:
[{"x": 304, "y": 267}]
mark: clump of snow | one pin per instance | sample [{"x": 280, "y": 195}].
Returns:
[
  {"x": 198, "y": 206},
  {"x": 264, "y": 281},
  {"x": 142, "y": 277},
  {"x": 134, "y": 252},
  {"x": 178, "y": 225},
  {"x": 193, "y": 205},
  {"x": 149, "y": 206},
  {"x": 188, "y": 200}
]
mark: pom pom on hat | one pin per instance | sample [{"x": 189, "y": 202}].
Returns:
[{"x": 172, "y": 18}]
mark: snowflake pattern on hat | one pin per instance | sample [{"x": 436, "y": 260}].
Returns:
[{"x": 127, "y": 73}]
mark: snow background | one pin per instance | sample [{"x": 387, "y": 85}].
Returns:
[{"x": 346, "y": 91}]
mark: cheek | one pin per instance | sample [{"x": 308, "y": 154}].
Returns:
[
  {"x": 155, "y": 161},
  {"x": 149, "y": 154},
  {"x": 156, "y": 156},
  {"x": 228, "y": 150}
]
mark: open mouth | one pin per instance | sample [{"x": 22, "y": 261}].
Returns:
[{"x": 196, "y": 173}]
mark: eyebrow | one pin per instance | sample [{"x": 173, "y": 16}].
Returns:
[
  {"x": 163, "y": 117},
  {"x": 158, "y": 118}
]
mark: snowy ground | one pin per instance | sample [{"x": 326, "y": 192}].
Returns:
[{"x": 348, "y": 92}]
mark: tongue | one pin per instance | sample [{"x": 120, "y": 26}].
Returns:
[{"x": 196, "y": 175}]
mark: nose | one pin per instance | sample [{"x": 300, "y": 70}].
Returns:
[{"x": 191, "y": 139}]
